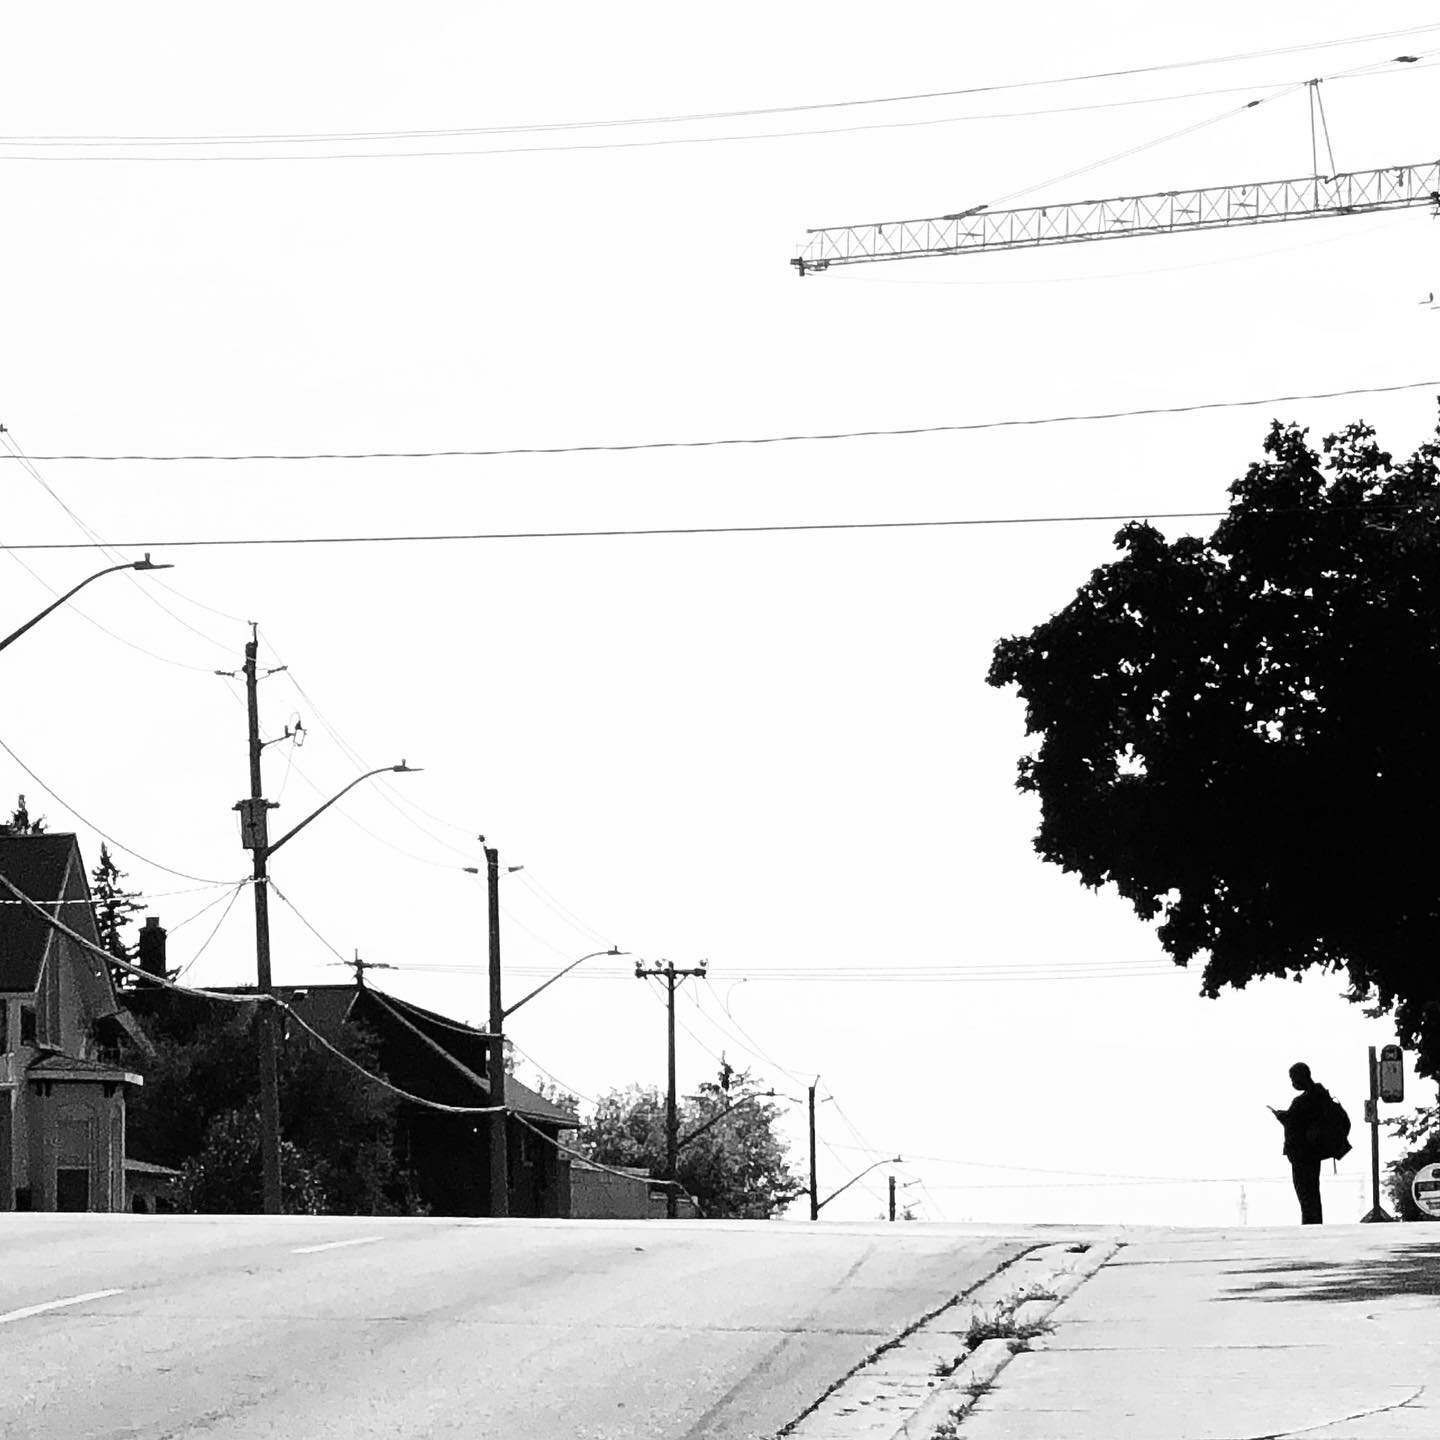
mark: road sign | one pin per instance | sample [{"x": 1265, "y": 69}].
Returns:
[
  {"x": 1392, "y": 1074},
  {"x": 1425, "y": 1187}
]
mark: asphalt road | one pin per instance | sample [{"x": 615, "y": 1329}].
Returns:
[{"x": 149, "y": 1328}]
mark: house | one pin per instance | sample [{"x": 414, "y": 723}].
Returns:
[
  {"x": 443, "y": 1060},
  {"x": 62, "y": 1097}
]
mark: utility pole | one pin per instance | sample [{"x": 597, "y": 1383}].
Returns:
[
  {"x": 814, "y": 1181},
  {"x": 255, "y": 833},
  {"x": 360, "y": 966},
  {"x": 672, "y": 977},
  {"x": 255, "y": 837},
  {"x": 495, "y": 1051},
  {"x": 892, "y": 1199}
]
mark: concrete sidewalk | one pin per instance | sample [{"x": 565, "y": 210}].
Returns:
[{"x": 1328, "y": 1333}]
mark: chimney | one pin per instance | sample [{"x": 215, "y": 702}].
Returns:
[{"x": 151, "y": 947}]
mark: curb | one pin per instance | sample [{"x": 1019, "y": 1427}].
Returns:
[{"x": 955, "y": 1395}]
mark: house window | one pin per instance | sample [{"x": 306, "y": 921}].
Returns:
[{"x": 27, "y": 1024}]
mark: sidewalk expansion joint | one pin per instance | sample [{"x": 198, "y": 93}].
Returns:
[{"x": 920, "y": 1383}]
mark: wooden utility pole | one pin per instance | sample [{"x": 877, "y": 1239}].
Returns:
[
  {"x": 256, "y": 835},
  {"x": 814, "y": 1181},
  {"x": 495, "y": 1050},
  {"x": 892, "y": 1198},
  {"x": 672, "y": 977}
]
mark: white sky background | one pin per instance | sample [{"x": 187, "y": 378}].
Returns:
[{"x": 771, "y": 751}]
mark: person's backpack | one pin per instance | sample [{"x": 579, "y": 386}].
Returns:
[{"x": 1333, "y": 1130}]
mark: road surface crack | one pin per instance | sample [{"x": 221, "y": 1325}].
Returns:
[{"x": 1340, "y": 1419}]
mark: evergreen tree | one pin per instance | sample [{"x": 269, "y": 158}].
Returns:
[
  {"x": 114, "y": 905},
  {"x": 20, "y": 822}
]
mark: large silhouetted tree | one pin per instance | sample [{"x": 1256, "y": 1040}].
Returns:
[{"x": 1241, "y": 733}]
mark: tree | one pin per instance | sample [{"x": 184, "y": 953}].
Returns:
[
  {"x": 114, "y": 905},
  {"x": 735, "y": 1165},
  {"x": 1241, "y": 733},
  {"x": 557, "y": 1095},
  {"x": 20, "y": 822},
  {"x": 199, "y": 1110},
  {"x": 224, "y": 1177},
  {"x": 1421, "y": 1132}
]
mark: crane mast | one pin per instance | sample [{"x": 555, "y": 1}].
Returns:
[{"x": 1359, "y": 192}]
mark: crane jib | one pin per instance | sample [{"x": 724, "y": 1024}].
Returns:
[{"x": 1359, "y": 192}]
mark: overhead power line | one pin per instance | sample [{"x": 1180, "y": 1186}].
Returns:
[
  {"x": 687, "y": 117},
  {"x": 960, "y": 427},
  {"x": 91, "y": 151},
  {"x": 106, "y": 836},
  {"x": 800, "y": 528}
]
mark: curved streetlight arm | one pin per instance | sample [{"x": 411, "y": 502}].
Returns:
[
  {"x": 892, "y": 1160},
  {"x": 145, "y": 564},
  {"x": 716, "y": 1119},
  {"x": 401, "y": 769},
  {"x": 509, "y": 1010}
]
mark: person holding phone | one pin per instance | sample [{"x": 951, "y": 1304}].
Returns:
[{"x": 1303, "y": 1120}]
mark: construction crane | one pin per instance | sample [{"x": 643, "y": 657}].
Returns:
[{"x": 1359, "y": 192}]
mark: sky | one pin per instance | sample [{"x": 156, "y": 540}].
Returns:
[{"x": 774, "y": 751}]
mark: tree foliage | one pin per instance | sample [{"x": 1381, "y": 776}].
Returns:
[
  {"x": 1420, "y": 1133},
  {"x": 1241, "y": 733},
  {"x": 735, "y": 1165},
  {"x": 198, "y": 1111},
  {"x": 114, "y": 905},
  {"x": 21, "y": 823}
]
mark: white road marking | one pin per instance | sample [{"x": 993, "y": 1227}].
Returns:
[
  {"x": 55, "y": 1305},
  {"x": 335, "y": 1245}
]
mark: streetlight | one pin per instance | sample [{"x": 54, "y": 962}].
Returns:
[
  {"x": 509, "y": 1010},
  {"x": 816, "y": 1206},
  {"x": 495, "y": 1043},
  {"x": 255, "y": 837},
  {"x": 145, "y": 564}
]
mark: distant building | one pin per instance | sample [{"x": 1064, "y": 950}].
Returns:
[
  {"x": 442, "y": 1060},
  {"x": 62, "y": 1097},
  {"x": 598, "y": 1193}
]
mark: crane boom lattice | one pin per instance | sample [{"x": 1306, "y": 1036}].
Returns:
[{"x": 1358, "y": 192}]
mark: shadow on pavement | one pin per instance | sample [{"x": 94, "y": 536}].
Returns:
[{"x": 1410, "y": 1267}]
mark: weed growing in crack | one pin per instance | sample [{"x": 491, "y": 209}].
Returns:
[{"x": 1002, "y": 1324}]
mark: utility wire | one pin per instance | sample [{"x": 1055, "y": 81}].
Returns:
[
  {"x": 1077, "y": 417},
  {"x": 982, "y": 117},
  {"x": 104, "y": 835},
  {"x": 215, "y": 930},
  {"x": 693, "y": 116},
  {"x": 551, "y": 1076},
  {"x": 252, "y": 998},
  {"x": 15, "y": 452}
]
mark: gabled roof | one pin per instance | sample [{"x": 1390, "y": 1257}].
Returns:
[
  {"x": 37, "y": 865},
  {"x": 328, "y": 1007}
]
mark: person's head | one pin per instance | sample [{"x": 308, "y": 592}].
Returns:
[{"x": 1300, "y": 1075}]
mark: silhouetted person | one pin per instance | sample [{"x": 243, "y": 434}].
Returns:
[{"x": 1304, "y": 1139}]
